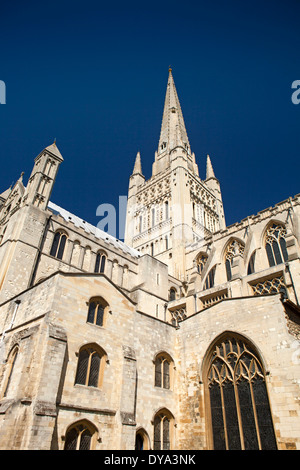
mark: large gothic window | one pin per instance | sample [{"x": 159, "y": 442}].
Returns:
[
  {"x": 237, "y": 394},
  {"x": 276, "y": 244}
]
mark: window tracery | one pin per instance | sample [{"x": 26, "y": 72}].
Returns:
[
  {"x": 275, "y": 244},
  {"x": 270, "y": 286},
  {"x": 233, "y": 249},
  {"x": 240, "y": 411}
]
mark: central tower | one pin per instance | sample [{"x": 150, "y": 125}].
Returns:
[{"x": 174, "y": 208}]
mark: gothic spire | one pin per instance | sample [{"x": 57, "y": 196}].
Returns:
[{"x": 173, "y": 132}]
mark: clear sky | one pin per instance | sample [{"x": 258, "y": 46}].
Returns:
[{"x": 93, "y": 76}]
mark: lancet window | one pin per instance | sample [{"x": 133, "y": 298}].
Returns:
[
  {"x": 100, "y": 263},
  {"x": 162, "y": 430}
]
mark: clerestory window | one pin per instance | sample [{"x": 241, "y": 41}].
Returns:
[{"x": 58, "y": 245}]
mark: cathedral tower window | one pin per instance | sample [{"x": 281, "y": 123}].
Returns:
[
  {"x": 163, "y": 430},
  {"x": 163, "y": 366},
  {"x": 90, "y": 366},
  {"x": 100, "y": 263},
  {"x": 275, "y": 244},
  {"x": 237, "y": 396},
  {"x": 80, "y": 436},
  {"x": 58, "y": 245},
  {"x": 97, "y": 311}
]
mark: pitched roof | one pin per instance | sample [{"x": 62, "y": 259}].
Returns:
[{"x": 88, "y": 228}]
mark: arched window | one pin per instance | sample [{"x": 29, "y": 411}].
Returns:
[
  {"x": 200, "y": 261},
  {"x": 276, "y": 244},
  {"x": 172, "y": 294},
  {"x": 238, "y": 399},
  {"x": 58, "y": 245},
  {"x": 90, "y": 366},
  {"x": 162, "y": 430},
  {"x": 163, "y": 371},
  {"x": 80, "y": 436},
  {"x": 10, "y": 369},
  {"x": 234, "y": 248},
  {"x": 210, "y": 279},
  {"x": 100, "y": 263},
  {"x": 97, "y": 311}
]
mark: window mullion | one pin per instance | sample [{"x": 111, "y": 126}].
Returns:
[
  {"x": 224, "y": 417},
  {"x": 255, "y": 415},
  {"x": 88, "y": 371},
  {"x": 239, "y": 415}
]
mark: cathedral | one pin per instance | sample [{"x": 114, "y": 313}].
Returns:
[{"x": 184, "y": 336}]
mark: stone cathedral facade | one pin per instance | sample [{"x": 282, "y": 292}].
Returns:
[{"x": 184, "y": 336}]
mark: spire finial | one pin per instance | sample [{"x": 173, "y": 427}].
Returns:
[{"x": 170, "y": 69}]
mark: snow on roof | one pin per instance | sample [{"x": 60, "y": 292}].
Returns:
[{"x": 88, "y": 228}]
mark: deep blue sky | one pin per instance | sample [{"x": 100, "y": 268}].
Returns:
[{"x": 93, "y": 75}]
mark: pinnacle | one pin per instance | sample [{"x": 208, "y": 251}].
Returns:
[
  {"x": 209, "y": 169},
  {"x": 137, "y": 165}
]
